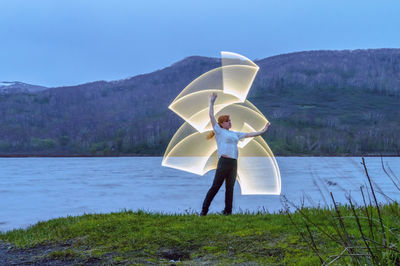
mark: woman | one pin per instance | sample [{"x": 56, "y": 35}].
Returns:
[{"x": 227, "y": 157}]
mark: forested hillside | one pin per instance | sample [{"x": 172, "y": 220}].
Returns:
[{"x": 319, "y": 103}]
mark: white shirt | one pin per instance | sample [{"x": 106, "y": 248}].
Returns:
[{"x": 227, "y": 141}]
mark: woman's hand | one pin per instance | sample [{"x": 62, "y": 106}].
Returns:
[
  {"x": 212, "y": 97},
  {"x": 266, "y": 127}
]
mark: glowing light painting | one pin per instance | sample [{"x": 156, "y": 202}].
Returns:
[{"x": 189, "y": 150}]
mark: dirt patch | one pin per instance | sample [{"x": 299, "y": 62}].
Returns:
[
  {"x": 40, "y": 255},
  {"x": 174, "y": 254}
]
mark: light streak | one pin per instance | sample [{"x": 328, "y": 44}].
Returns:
[{"x": 189, "y": 150}]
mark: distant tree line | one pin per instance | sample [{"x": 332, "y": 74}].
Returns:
[{"x": 319, "y": 103}]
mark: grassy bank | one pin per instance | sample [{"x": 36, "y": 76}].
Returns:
[{"x": 139, "y": 237}]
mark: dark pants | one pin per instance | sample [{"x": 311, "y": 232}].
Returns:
[{"x": 226, "y": 170}]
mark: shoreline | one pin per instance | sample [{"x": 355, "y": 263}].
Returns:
[{"x": 147, "y": 155}]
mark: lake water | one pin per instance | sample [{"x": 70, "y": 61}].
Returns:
[{"x": 36, "y": 189}]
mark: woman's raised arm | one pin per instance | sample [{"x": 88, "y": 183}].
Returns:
[{"x": 212, "y": 98}]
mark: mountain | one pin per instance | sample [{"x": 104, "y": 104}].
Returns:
[
  {"x": 373, "y": 69},
  {"x": 318, "y": 102},
  {"x": 7, "y": 87}
]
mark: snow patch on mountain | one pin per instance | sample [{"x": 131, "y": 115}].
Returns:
[{"x": 8, "y": 87}]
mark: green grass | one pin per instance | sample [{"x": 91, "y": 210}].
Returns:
[{"x": 140, "y": 237}]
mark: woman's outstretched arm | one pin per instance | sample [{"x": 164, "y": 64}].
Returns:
[
  {"x": 258, "y": 133},
  {"x": 213, "y": 96}
]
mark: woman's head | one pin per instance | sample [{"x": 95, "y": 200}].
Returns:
[{"x": 224, "y": 122}]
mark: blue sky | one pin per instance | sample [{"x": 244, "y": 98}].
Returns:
[{"x": 58, "y": 43}]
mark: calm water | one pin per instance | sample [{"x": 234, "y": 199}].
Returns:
[{"x": 35, "y": 189}]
